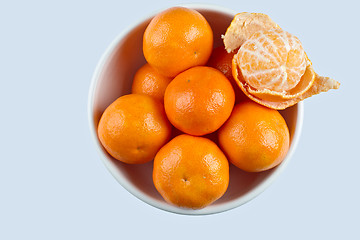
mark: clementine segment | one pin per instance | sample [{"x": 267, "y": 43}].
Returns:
[
  {"x": 199, "y": 100},
  {"x": 255, "y": 138},
  {"x": 150, "y": 82},
  {"x": 191, "y": 172},
  {"x": 133, "y": 128},
  {"x": 177, "y": 39}
]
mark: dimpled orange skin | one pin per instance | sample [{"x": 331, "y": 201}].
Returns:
[
  {"x": 255, "y": 138},
  {"x": 199, "y": 100},
  {"x": 150, "y": 82},
  {"x": 191, "y": 172},
  {"x": 222, "y": 61},
  {"x": 177, "y": 39},
  {"x": 133, "y": 128}
]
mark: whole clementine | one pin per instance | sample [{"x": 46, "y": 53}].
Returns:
[
  {"x": 191, "y": 172},
  {"x": 222, "y": 61},
  {"x": 177, "y": 39},
  {"x": 199, "y": 100},
  {"x": 149, "y": 81},
  {"x": 255, "y": 138},
  {"x": 133, "y": 128}
]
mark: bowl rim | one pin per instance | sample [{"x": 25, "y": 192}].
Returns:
[{"x": 212, "y": 209}]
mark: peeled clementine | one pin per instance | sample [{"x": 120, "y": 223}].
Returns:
[
  {"x": 133, "y": 128},
  {"x": 177, "y": 39},
  {"x": 199, "y": 100},
  {"x": 191, "y": 172},
  {"x": 271, "y": 66},
  {"x": 272, "y": 59},
  {"x": 255, "y": 138}
]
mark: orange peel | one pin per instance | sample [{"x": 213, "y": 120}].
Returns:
[
  {"x": 245, "y": 25},
  {"x": 320, "y": 84}
]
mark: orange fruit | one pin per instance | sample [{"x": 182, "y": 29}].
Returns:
[
  {"x": 133, "y": 128},
  {"x": 191, "y": 172},
  {"x": 222, "y": 61},
  {"x": 283, "y": 86},
  {"x": 199, "y": 100},
  {"x": 149, "y": 81},
  {"x": 255, "y": 138},
  {"x": 272, "y": 59},
  {"x": 177, "y": 39},
  {"x": 269, "y": 67}
]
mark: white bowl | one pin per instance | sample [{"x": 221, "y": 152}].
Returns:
[{"x": 112, "y": 79}]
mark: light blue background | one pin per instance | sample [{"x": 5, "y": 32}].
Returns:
[{"x": 53, "y": 184}]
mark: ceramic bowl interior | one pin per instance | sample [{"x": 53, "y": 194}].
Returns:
[{"x": 113, "y": 78}]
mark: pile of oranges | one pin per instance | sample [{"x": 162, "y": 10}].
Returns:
[{"x": 188, "y": 114}]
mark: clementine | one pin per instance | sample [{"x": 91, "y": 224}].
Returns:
[
  {"x": 191, "y": 172},
  {"x": 272, "y": 59},
  {"x": 133, "y": 128},
  {"x": 222, "y": 61},
  {"x": 255, "y": 138},
  {"x": 199, "y": 100},
  {"x": 149, "y": 81},
  {"x": 271, "y": 66},
  {"x": 177, "y": 39}
]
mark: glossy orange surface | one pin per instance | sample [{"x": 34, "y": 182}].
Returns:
[
  {"x": 255, "y": 138},
  {"x": 191, "y": 172},
  {"x": 199, "y": 100},
  {"x": 177, "y": 39},
  {"x": 222, "y": 61},
  {"x": 150, "y": 82},
  {"x": 133, "y": 128}
]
